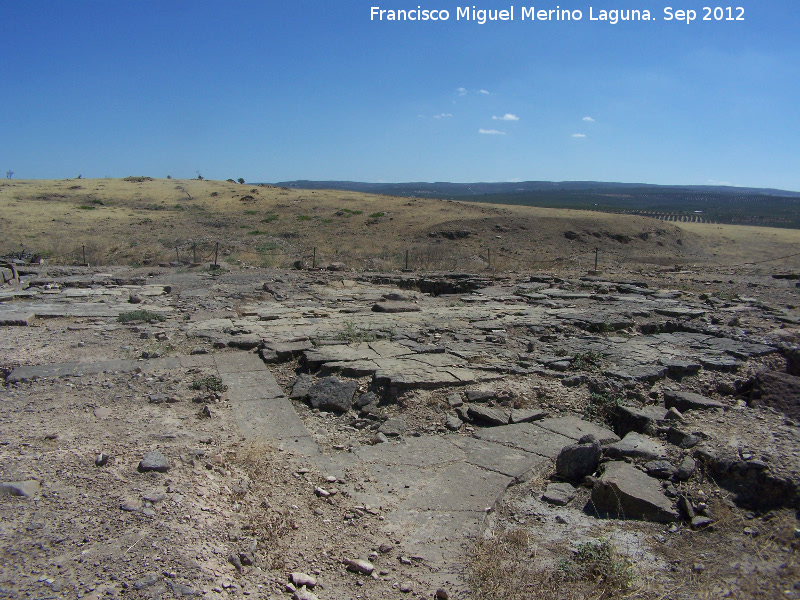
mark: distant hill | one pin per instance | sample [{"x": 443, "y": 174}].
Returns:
[{"x": 714, "y": 204}]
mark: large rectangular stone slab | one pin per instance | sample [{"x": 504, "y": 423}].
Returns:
[
  {"x": 271, "y": 420},
  {"x": 460, "y": 487},
  {"x": 528, "y": 437},
  {"x": 238, "y": 362},
  {"x": 194, "y": 361},
  {"x": 519, "y": 464},
  {"x": 422, "y": 451},
  {"x": 251, "y": 385},
  {"x": 438, "y": 537},
  {"x": 16, "y": 318}
]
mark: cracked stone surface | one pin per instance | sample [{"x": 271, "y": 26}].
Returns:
[{"x": 542, "y": 361}]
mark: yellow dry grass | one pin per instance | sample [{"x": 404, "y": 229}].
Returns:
[{"x": 142, "y": 221}]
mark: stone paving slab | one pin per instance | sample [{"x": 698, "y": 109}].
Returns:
[
  {"x": 16, "y": 318},
  {"x": 528, "y": 437},
  {"x": 238, "y": 362},
  {"x": 460, "y": 487},
  {"x": 390, "y": 484},
  {"x": 519, "y": 464},
  {"x": 193, "y": 361},
  {"x": 251, "y": 385},
  {"x": 422, "y": 451},
  {"x": 576, "y": 428},
  {"x": 435, "y": 536},
  {"x": 273, "y": 421}
]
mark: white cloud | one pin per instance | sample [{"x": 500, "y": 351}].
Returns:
[
  {"x": 491, "y": 132},
  {"x": 579, "y": 135},
  {"x": 442, "y": 116},
  {"x": 483, "y": 92},
  {"x": 506, "y": 117},
  {"x": 462, "y": 91},
  {"x": 588, "y": 119}
]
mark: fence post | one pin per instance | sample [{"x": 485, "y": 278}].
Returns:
[
  {"x": 314, "y": 258},
  {"x": 216, "y": 253},
  {"x": 83, "y": 249},
  {"x": 596, "y": 250}
]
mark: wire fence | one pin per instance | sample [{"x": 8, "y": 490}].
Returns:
[{"x": 417, "y": 258}]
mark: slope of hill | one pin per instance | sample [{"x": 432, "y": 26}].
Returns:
[
  {"x": 703, "y": 204},
  {"x": 145, "y": 221}
]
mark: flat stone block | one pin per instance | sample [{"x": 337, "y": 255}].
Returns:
[
  {"x": 575, "y": 428},
  {"x": 421, "y": 451},
  {"x": 251, "y": 385},
  {"x": 519, "y": 464},
  {"x": 528, "y": 437},
  {"x": 238, "y": 362},
  {"x": 460, "y": 487}
]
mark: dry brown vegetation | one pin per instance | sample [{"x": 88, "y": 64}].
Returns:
[{"x": 141, "y": 221}]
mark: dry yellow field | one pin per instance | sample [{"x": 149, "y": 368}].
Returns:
[{"x": 141, "y": 221}]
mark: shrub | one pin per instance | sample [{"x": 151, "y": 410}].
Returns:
[{"x": 210, "y": 383}]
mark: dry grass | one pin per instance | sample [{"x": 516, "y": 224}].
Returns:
[
  {"x": 266, "y": 513},
  {"x": 506, "y": 566},
  {"x": 142, "y": 221}
]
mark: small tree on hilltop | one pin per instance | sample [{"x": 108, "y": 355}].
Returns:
[
  {"x": 9, "y": 174},
  {"x": 240, "y": 180}
]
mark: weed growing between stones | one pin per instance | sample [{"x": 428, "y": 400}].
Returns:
[
  {"x": 211, "y": 383},
  {"x": 601, "y": 407},
  {"x": 587, "y": 361}
]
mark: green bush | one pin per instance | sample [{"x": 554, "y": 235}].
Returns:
[{"x": 210, "y": 383}]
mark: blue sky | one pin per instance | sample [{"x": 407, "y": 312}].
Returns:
[{"x": 274, "y": 91}]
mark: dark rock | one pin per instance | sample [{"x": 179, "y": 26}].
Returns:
[
  {"x": 453, "y": 423},
  {"x": 301, "y": 386},
  {"x": 576, "y": 461},
  {"x": 395, "y": 307},
  {"x": 641, "y": 420},
  {"x": 526, "y": 415},
  {"x": 684, "y": 401},
  {"x": 780, "y": 391},
  {"x": 394, "y": 427},
  {"x": 635, "y": 445},
  {"x": 486, "y": 415},
  {"x": 686, "y": 507},
  {"x": 701, "y": 522},
  {"x": 365, "y": 399},
  {"x": 686, "y": 469},
  {"x": 479, "y": 395},
  {"x": 559, "y": 494},
  {"x": 682, "y": 439},
  {"x": 454, "y": 399},
  {"x": 134, "y": 298},
  {"x": 678, "y": 368},
  {"x": 154, "y": 461},
  {"x": 661, "y": 469},
  {"x": 332, "y": 394},
  {"x": 625, "y": 491},
  {"x": 574, "y": 380},
  {"x": 726, "y": 364}
]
